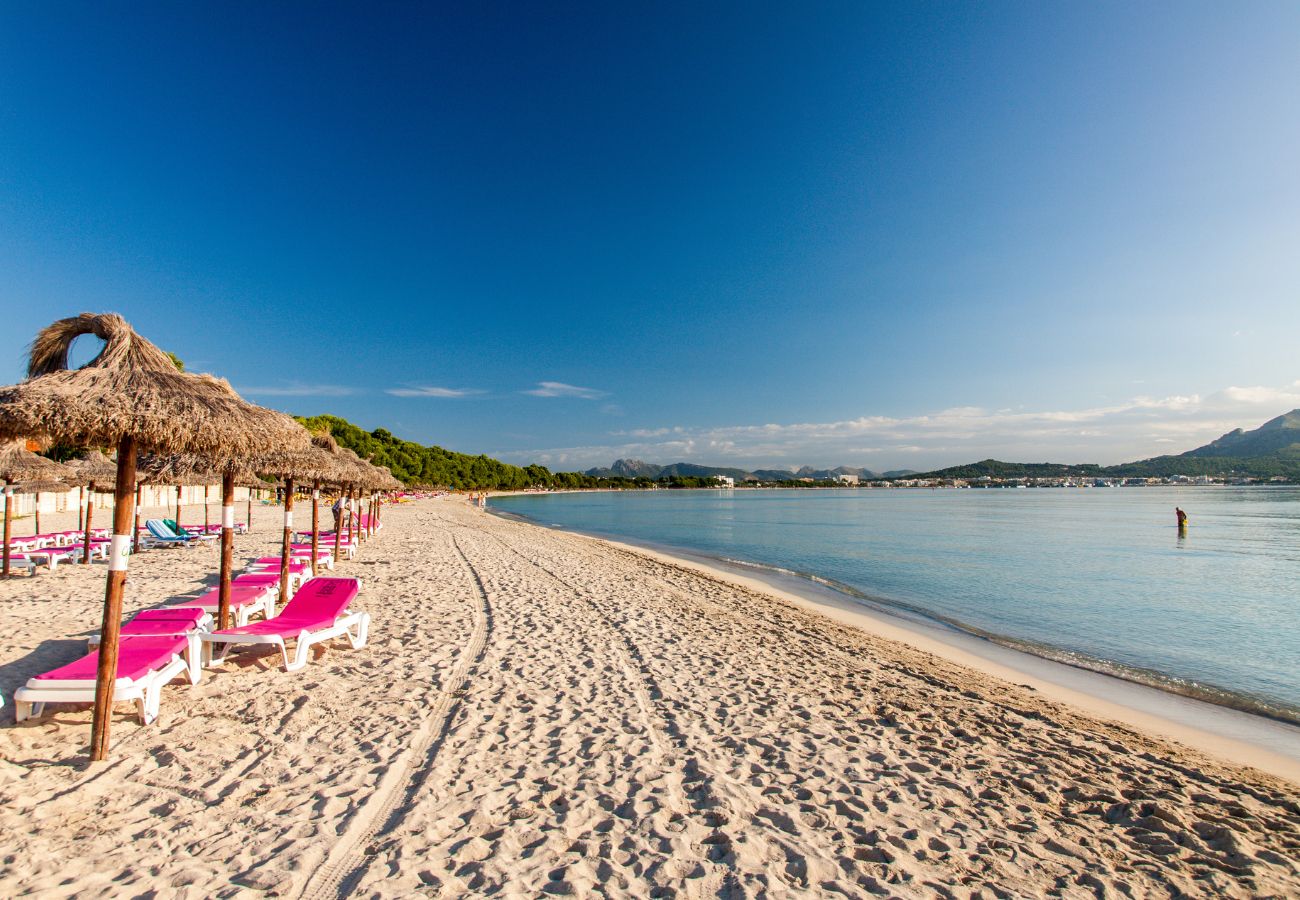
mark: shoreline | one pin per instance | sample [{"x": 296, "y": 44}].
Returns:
[{"x": 1232, "y": 735}]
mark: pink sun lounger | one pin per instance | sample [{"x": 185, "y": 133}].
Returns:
[
  {"x": 267, "y": 576},
  {"x": 52, "y": 556},
  {"x": 324, "y": 555},
  {"x": 273, "y": 562},
  {"x": 299, "y": 569},
  {"x": 317, "y": 613},
  {"x": 245, "y": 600},
  {"x": 168, "y": 621},
  {"x": 144, "y": 665},
  {"x": 20, "y": 561}
]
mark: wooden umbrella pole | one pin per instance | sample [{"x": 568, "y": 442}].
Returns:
[
  {"x": 206, "y": 521},
  {"x": 119, "y": 554},
  {"x": 288, "y": 537},
  {"x": 178, "y": 507},
  {"x": 227, "y": 548},
  {"x": 315, "y": 523},
  {"x": 249, "y": 523},
  {"x": 338, "y": 531},
  {"x": 81, "y": 509},
  {"x": 135, "y": 535},
  {"x": 37, "y": 523},
  {"x": 85, "y": 532},
  {"x": 356, "y": 517},
  {"x": 9, "y": 498}
]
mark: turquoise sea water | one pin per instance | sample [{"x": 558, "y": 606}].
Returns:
[{"x": 1099, "y": 577}]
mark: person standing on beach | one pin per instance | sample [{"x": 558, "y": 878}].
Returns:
[
  {"x": 1182, "y": 517},
  {"x": 339, "y": 507}
]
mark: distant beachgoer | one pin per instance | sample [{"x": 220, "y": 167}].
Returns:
[{"x": 1182, "y": 517}]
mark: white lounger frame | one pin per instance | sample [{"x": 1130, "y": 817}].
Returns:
[
  {"x": 55, "y": 555},
  {"x": 342, "y": 627}
]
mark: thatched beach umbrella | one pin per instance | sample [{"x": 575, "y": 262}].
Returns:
[
  {"x": 98, "y": 472},
  {"x": 190, "y": 468},
  {"x": 358, "y": 474},
  {"x": 18, "y": 465},
  {"x": 132, "y": 397},
  {"x": 324, "y": 441},
  {"x": 310, "y": 464}
]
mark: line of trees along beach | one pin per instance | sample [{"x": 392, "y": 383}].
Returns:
[{"x": 416, "y": 464}]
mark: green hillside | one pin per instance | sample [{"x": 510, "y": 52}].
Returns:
[
  {"x": 416, "y": 464},
  {"x": 1270, "y": 451}
]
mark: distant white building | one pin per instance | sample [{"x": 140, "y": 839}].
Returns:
[
  {"x": 847, "y": 479},
  {"x": 725, "y": 481}
]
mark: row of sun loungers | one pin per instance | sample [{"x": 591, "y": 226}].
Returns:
[
  {"x": 157, "y": 645},
  {"x": 52, "y": 548}
]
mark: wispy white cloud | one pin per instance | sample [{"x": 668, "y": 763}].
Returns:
[
  {"x": 433, "y": 391},
  {"x": 560, "y": 389},
  {"x": 300, "y": 389},
  {"x": 1136, "y": 428}
]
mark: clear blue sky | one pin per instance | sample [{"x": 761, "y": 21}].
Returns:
[{"x": 896, "y": 235}]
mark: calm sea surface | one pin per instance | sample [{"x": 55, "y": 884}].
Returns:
[{"x": 1096, "y": 577}]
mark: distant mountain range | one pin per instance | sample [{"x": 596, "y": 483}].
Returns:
[
  {"x": 1270, "y": 450},
  {"x": 635, "y": 468}
]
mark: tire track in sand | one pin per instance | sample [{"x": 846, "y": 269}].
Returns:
[
  {"x": 692, "y": 787},
  {"x": 347, "y": 861}
]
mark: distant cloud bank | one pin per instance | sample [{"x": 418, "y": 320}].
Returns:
[
  {"x": 431, "y": 391},
  {"x": 1135, "y": 429},
  {"x": 560, "y": 389}
]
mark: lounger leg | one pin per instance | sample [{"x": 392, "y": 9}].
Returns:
[
  {"x": 300, "y": 654},
  {"x": 194, "y": 658},
  {"x": 363, "y": 631},
  {"x": 217, "y": 651},
  {"x": 24, "y": 710}
]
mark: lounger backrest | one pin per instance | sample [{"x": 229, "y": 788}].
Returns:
[
  {"x": 320, "y": 599},
  {"x": 158, "y": 529}
]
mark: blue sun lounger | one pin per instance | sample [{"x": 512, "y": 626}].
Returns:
[{"x": 161, "y": 534}]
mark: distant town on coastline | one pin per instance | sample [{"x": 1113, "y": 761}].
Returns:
[{"x": 1268, "y": 454}]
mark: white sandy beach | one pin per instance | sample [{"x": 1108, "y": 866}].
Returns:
[{"x": 539, "y": 712}]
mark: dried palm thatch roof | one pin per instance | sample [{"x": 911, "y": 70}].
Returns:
[
  {"x": 324, "y": 440},
  {"x": 353, "y": 470},
  {"x": 18, "y": 465},
  {"x": 134, "y": 389},
  {"x": 311, "y": 464},
  {"x": 387, "y": 481},
  {"x": 93, "y": 467},
  {"x": 176, "y": 468}
]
